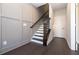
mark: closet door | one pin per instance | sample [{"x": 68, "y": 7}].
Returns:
[{"x": 11, "y": 32}]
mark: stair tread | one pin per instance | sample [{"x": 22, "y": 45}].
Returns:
[
  {"x": 39, "y": 31},
  {"x": 41, "y": 26},
  {"x": 39, "y": 42},
  {"x": 37, "y": 37},
  {"x": 39, "y": 34}
]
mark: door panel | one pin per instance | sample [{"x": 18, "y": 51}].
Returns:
[
  {"x": 59, "y": 26},
  {"x": 27, "y": 31},
  {"x": 11, "y": 32},
  {"x": 12, "y": 10}
]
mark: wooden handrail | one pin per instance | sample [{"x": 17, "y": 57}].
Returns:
[{"x": 38, "y": 20}]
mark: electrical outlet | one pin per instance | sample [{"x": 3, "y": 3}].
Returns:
[
  {"x": 4, "y": 42},
  {"x": 24, "y": 24}
]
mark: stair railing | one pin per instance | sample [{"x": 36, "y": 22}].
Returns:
[{"x": 46, "y": 31}]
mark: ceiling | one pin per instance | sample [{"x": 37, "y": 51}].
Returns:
[
  {"x": 56, "y": 6},
  {"x": 38, "y": 4}
]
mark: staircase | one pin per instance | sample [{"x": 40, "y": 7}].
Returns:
[{"x": 38, "y": 36}]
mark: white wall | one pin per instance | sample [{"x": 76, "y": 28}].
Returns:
[
  {"x": 11, "y": 32},
  {"x": 67, "y": 18},
  {"x": 51, "y": 16},
  {"x": 59, "y": 25},
  {"x": 30, "y": 13},
  {"x": 11, "y": 10},
  {"x": 16, "y": 22},
  {"x": 36, "y": 14},
  {"x": 11, "y": 25},
  {"x": 68, "y": 25},
  {"x": 77, "y": 23},
  {"x": 57, "y": 16},
  {"x": 73, "y": 30},
  {"x": 71, "y": 26}
]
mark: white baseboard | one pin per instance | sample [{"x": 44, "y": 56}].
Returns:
[{"x": 4, "y": 50}]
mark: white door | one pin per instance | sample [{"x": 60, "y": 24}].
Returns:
[{"x": 59, "y": 26}]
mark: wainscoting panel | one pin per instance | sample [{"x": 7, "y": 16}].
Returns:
[
  {"x": 26, "y": 31},
  {"x": 11, "y": 32}
]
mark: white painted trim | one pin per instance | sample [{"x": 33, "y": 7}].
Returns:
[
  {"x": 73, "y": 26},
  {"x": 4, "y": 50}
]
